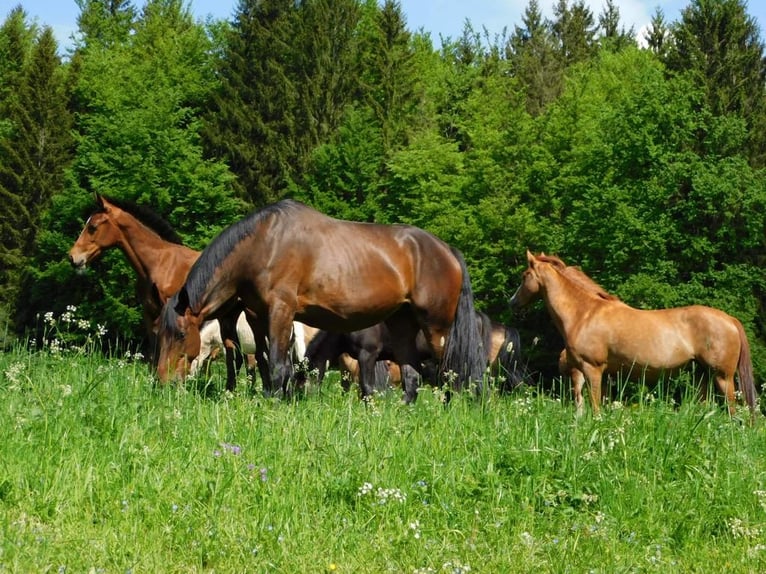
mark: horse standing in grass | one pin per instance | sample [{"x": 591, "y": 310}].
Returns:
[
  {"x": 602, "y": 333},
  {"x": 153, "y": 249},
  {"x": 375, "y": 344},
  {"x": 289, "y": 262}
]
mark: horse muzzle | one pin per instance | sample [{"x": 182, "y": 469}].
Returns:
[{"x": 79, "y": 262}]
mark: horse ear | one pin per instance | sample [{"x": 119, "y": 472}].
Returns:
[
  {"x": 99, "y": 200},
  {"x": 182, "y": 301},
  {"x": 530, "y": 257}
]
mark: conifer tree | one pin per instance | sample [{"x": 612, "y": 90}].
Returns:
[
  {"x": 574, "y": 29},
  {"x": 719, "y": 44},
  {"x": 532, "y": 54},
  {"x": 658, "y": 34},
  {"x": 33, "y": 156}
]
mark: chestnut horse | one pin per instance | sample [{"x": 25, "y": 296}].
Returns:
[
  {"x": 289, "y": 262},
  {"x": 153, "y": 249},
  {"x": 602, "y": 333}
]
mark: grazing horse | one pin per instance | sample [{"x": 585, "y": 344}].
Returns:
[
  {"x": 289, "y": 262},
  {"x": 375, "y": 344},
  {"x": 602, "y": 333},
  {"x": 153, "y": 249},
  {"x": 211, "y": 343}
]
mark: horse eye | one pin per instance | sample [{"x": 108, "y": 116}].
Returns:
[
  {"x": 180, "y": 335},
  {"x": 92, "y": 228}
]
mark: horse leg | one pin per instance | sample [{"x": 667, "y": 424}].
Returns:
[
  {"x": 251, "y": 365},
  {"x": 410, "y": 383},
  {"x": 725, "y": 384},
  {"x": 594, "y": 374},
  {"x": 229, "y": 336},
  {"x": 261, "y": 352},
  {"x": 280, "y": 330},
  {"x": 578, "y": 380},
  {"x": 367, "y": 359}
]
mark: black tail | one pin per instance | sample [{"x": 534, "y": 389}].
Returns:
[
  {"x": 509, "y": 361},
  {"x": 464, "y": 356}
]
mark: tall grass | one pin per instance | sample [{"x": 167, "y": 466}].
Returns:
[{"x": 101, "y": 470}]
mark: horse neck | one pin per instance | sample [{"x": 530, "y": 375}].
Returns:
[
  {"x": 566, "y": 302},
  {"x": 144, "y": 249}
]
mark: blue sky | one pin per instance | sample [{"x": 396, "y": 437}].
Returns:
[{"x": 439, "y": 17}]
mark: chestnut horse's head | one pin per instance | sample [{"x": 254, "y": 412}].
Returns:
[
  {"x": 100, "y": 233},
  {"x": 531, "y": 284},
  {"x": 179, "y": 338}
]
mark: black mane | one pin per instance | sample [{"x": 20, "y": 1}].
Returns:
[
  {"x": 211, "y": 258},
  {"x": 149, "y": 218}
]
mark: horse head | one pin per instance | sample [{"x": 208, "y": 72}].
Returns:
[
  {"x": 531, "y": 284},
  {"x": 99, "y": 233},
  {"x": 179, "y": 338}
]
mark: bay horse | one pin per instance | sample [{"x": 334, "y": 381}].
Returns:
[
  {"x": 602, "y": 333},
  {"x": 290, "y": 262},
  {"x": 374, "y": 344},
  {"x": 154, "y": 251}
]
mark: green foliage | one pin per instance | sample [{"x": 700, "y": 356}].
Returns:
[
  {"x": 35, "y": 148},
  {"x": 137, "y": 139},
  {"x": 720, "y": 47}
]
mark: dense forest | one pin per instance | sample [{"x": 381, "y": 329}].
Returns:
[{"x": 640, "y": 159}]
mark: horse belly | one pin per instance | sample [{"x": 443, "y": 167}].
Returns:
[{"x": 650, "y": 354}]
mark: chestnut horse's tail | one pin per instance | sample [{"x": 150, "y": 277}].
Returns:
[
  {"x": 464, "y": 355},
  {"x": 745, "y": 368}
]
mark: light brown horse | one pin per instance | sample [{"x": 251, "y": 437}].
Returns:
[
  {"x": 602, "y": 333},
  {"x": 153, "y": 249}
]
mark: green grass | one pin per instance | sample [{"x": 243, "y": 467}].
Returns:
[{"x": 103, "y": 471}]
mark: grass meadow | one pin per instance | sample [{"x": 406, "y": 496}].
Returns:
[{"x": 102, "y": 470}]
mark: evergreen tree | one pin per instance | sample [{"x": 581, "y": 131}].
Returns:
[
  {"x": 658, "y": 34},
  {"x": 251, "y": 120},
  {"x": 574, "y": 29},
  {"x": 17, "y": 37},
  {"x": 389, "y": 76},
  {"x": 534, "y": 61},
  {"x": 720, "y": 46},
  {"x": 33, "y": 157},
  {"x": 614, "y": 37},
  {"x": 105, "y": 23},
  {"x": 323, "y": 65}
]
